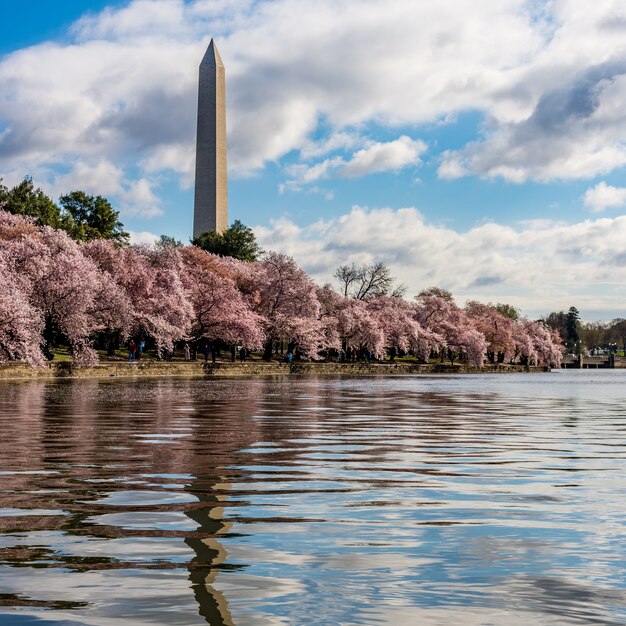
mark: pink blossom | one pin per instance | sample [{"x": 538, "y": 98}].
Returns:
[
  {"x": 539, "y": 344},
  {"x": 451, "y": 328},
  {"x": 152, "y": 281},
  {"x": 287, "y": 301},
  {"x": 220, "y": 310},
  {"x": 59, "y": 282},
  {"x": 21, "y": 324},
  {"x": 55, "y": 289},
  {"x": 495, "y": 327}
]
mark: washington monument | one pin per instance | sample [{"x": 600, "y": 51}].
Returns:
[{"x": 211, "y": 194}]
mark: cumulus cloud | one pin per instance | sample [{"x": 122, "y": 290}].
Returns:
[
  {"x": 375, "y": 157},
  {"x": 131, "y": 197},
  {"x": 604, "y": 196},
  {"x": 549, "y": 80},
  {"x": 384, "y": 156},
  {"x": 339, "y": 140},
  {"x": 142, "y": 237},
  {"x": 537, "y": 265},
  {"x": 575, "y": 131}
]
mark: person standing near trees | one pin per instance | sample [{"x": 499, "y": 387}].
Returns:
[
  {"x": 132, "y": 348},
  {"x": 187, "y": 352}
]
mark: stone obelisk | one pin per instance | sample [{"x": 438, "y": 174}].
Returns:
[{"x": 211, "y": 196}]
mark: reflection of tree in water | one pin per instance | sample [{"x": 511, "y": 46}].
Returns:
[
  {"x": 98, "y": 437},
  {"x": 109, "y": 460}
]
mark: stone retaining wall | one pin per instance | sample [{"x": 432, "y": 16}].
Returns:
[{"x": 121, "y": 369}]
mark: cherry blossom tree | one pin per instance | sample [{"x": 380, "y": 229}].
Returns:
[
  {"x": 525, "y": 352},
  {"x": 330, "y": 303},
  {"x": 16, "y": 227},
  {"x": 161, "y": 306},
  {"x": 59, "y": 282},
  {"x": 146, "y": 285},
  {"x": 65, "y": 287},
  {"x": 451, "y": 328},
  {"x": 401, "y": 329},
  {"x": 288, "y": 303},
  {"x": 495, "y": 327},
  {"x": 21, "y": 324},
  {"x": 220, "y": 311},
  {"x": 53, "y": 289},
  {"x": 359, "y": 328},
  {"x": 113, "y": 305},
  {"x": 539, "y": 344}
]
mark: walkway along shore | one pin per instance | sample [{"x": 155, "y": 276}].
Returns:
[{"x": 123, "y": 369}]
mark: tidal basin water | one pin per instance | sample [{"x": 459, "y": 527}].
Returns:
[{"x": 435, "y": 500}]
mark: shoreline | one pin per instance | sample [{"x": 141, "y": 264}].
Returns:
[{"x": 199, "y": 369}]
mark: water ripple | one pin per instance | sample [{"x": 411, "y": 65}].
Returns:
[{"x": 431, "y": 500}]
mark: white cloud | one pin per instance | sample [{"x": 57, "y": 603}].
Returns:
[
  {"x": 118, "y": 93},
  {"x": 570, "y": 121},
  {"x": 550, "y": 82},
  {"x": 143, "y": 237},
  {"x": 382, "y": 157},
  {"x": 336, "y": 141},
  {"x": 103, "y": 177},
  {"x": 604, "y": 196},
  {"x": 539, "y": 265},
  {"x": 375, "y": 157},
  {"x": 130, "y": 197},
  {"x": 175, "y": 157},
  {"x": 302, "y": 174}
]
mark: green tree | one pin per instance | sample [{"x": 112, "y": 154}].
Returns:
[
  {"x": 165, "y": 241},
  {"x": 236, "y": 241},
  {"x": 508, "y": 310},
  {"x": 572, "y": 328},
  {"x": 593, "y": 335},
  {"x": 93, "y": 217},
  {"x": 557, "y": 321},
  {"x": 617, "y": 332},
  {"x": 24, "y": 199}
]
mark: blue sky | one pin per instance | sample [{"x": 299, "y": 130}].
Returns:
[{"x": 478, "y": 147}]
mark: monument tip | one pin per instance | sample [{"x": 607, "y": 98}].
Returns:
[{"x": 212, "y": 56}]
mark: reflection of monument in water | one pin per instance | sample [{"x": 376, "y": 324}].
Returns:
[
  {"x": 97, "y": 442},
  {"x": 211, "y": 193},
  {"x": 210, "y": 554},
  {"x": 208, "y": 459},
  {"x": 114, "y": 447}
]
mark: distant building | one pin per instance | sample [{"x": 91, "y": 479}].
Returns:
[{"x": 211, "y": 192}]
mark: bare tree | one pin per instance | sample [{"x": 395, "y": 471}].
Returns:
[
  {"x": 617, "y": 332},
  {"x": 347, "y": 275},
  {"x": 366, "y": 281},
  {"x": 594, "y": 334}
]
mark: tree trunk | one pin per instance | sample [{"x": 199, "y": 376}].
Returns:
[
  {"x": 48, "y": 338},
  {"x": 111, "y": 343}
]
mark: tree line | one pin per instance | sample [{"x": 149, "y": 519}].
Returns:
[
  {"x": 83, "y": 217},
  {"x": 588, "y": 337},
  {"x": 68, "y": 276}
]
